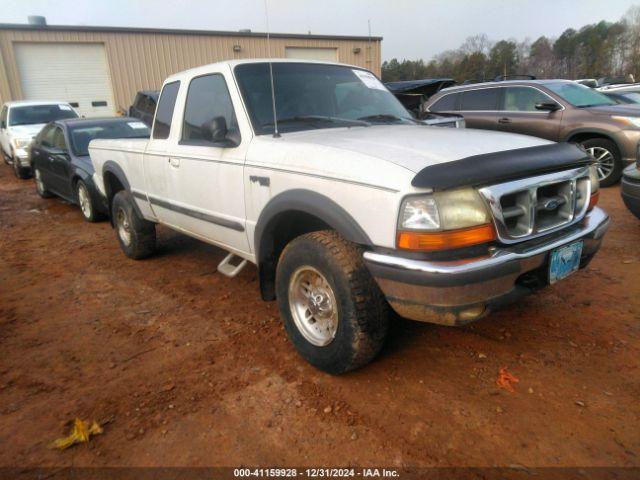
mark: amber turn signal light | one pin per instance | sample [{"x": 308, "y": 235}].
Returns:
[
  {"x": 593, "y": 201},
  {"x": 446, "y": 240}
]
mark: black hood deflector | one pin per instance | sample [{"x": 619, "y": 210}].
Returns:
[{"x": 501, "y": 166}]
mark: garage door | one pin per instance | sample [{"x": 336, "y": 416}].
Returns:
[
  {"x": 72, "y": 72},
  {"x": 304, "y": 53}
]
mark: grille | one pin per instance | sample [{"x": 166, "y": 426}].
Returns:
[{"x": 534, "y": 206}]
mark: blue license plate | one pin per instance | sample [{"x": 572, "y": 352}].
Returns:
[{"x": 564, "y": 261}]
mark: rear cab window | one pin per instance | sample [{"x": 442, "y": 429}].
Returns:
[
  {"x": 164, "y": 112},
  {"x": 483, "y": 99}
]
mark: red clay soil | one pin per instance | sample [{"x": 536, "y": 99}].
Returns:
[{"x": 187, "y": 367}]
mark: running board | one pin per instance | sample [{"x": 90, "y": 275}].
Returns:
[{"x": 228, "y": 269}]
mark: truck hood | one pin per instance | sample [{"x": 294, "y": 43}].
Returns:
[
  {"x": 414, "y": 147},
  {"x": 26, "y": 131}
]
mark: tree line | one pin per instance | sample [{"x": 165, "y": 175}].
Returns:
[{"x": 594, "y": 51}]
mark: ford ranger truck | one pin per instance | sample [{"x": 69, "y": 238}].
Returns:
[{"x": 350, "y": 208}]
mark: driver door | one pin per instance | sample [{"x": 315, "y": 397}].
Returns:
[{"x": 60, "y": 164}]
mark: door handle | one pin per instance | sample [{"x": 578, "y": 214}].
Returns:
[
  {"x": 504, "y": 120},
  {"x": 174, "y": 162}
]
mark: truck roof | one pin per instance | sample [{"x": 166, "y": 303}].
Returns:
[{"x": 233, "y": 63}]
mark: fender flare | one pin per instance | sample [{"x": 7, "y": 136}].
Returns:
[
  {"x": 116, "y": 170},
  {"x": 315, "y": 204},
  {"x": 305, "y": 201}
]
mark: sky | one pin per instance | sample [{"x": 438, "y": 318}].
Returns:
[{"x": 411, "y": 29}]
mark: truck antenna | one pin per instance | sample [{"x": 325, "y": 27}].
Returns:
[{"x": 276, "y": 133}]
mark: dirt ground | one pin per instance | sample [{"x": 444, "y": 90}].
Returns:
[{"x": 188, "y": 367}]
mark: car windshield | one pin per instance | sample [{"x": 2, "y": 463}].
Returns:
[
  {"x": 579, "y": 95},
  {"x": 81, "y": 135},
  {"x": 311, "y": 96},
  {"x": 35, "y": 114}
]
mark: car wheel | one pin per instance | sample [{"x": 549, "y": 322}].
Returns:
[
  {"x": 333, "y": 311},
  {"x": 19, "y": 171},
  {"x": 137, "y": 236},
  {"x": 41, "y": 189},
  {"x": 86, "y": 203},
  {"x": 609, "y": 161},
  {"x": 6, "y": 158}
]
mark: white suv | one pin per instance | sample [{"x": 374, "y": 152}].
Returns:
[{"x": 20, "y": 122}]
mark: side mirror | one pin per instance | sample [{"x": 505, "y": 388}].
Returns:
[
  {"x": 547, "y": 106},
  {"x": 215, "y": 130}
]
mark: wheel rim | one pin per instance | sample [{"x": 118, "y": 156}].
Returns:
[
  {"x": 313, "y": 306},
  {"x": 84, "y": 201},
  {"x": 605, "y": 161},
  {"x": 124, "y": 228},
  {"x": 39, "y": 182}
]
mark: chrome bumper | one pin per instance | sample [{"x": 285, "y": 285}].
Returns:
[{"x": 457, "y": 292}]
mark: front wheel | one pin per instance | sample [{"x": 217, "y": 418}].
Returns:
[
  {"x": 137, "y": 236},
  {"x": 333, "y": 311},
  {"x": 608, "y": 160},
  {"x": 20, "y": 172}
]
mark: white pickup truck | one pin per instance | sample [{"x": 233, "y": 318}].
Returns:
[{"x": 346, "y": 204}]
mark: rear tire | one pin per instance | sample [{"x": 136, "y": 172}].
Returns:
[
  {"x": 333, "y": 311},
  {"x": 609, "y": 160},
  {"x": 86, "y": 203},
  {"x": 137, "y": 236},
  {"x": 41, "y": 188}
]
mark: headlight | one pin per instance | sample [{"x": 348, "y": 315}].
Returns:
[
  {"x": 629, "y": 121},
  {"x": 444, "y": 220},
  {"x": 593, "y": 176},
  {"x": 21, "y": 142},
  {"x": 443, "y": 211}
]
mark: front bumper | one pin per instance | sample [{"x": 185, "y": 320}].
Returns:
[
  {"x": 627, "y": 141},
  {"x": 630, "y": 189},
  {"x": 457, "y": 292}
]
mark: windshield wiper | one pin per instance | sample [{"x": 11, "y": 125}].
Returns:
[
  {"x": 318, "y": 118},
  {"x": 597, "y": 105},
  {"x": 384, "y": 118}
]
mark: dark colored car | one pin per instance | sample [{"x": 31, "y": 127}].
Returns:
[
  {"x": 144, "y": 106},
  {"x": 413, "y": 94},
  {"x": 631, "y": 188},
  {"x": 61, "y": 163},
  {"x": 624, "y": 98},
  {"x": 558, "y": 110}
]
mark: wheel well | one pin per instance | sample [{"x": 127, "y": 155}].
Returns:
[
  {"x": 584, "y": 136},
  {"x": 112, "y": 186},
  {"x": 281, "y": 230}
]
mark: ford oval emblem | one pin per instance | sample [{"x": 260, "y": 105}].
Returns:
[{"x": 550, "y": 204}]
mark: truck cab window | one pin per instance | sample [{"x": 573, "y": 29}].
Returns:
[
  {"x": 208, "y": 100},
  {"x": 166, "y": 104}
]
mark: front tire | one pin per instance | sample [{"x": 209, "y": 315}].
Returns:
[
  {"x": 137, "y": 236},
  {"x": 86, "y": 203},
  {"x": 608, "y": 158},
  {"x": 19, "y": 171},
  {"x": 333, "y": 311}
]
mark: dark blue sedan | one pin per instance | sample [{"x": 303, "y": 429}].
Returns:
[{"x": 61, "y": 163}]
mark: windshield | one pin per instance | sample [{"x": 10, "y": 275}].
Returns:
[
  {"x": 579, "y": 95},
  {"x": 35, "y": 114},
  {"x": 310, "y": 96},
  {"x": 81, "y": 135}
]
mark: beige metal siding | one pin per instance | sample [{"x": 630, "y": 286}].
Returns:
[{"x": 140, "y": 61}]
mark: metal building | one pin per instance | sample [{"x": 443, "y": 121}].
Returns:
[{"x": 99, "y": 69}]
